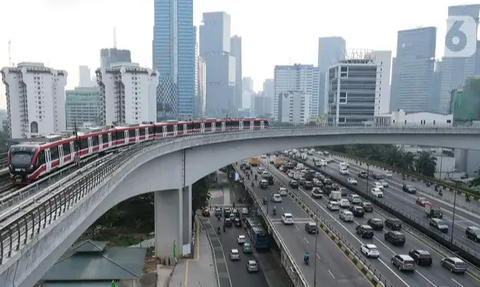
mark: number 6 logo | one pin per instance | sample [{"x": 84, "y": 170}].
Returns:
[{"x": 461, "y": 38}]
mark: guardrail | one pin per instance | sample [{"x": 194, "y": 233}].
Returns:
[
  {"x": 458, "y": 248},
  {"x": 322, "y": 222},
  {"x": 287, "y": 260}
]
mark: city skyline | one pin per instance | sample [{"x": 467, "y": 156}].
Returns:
[{"x": 137, "y": 35}]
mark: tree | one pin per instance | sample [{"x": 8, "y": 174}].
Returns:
[
  {"x": 476, "y": 180},
  {"x": 426, "y": 164},
  {"x": 200, "y": 194}
]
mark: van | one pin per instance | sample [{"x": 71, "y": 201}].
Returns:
[
  {"x": 335, "y": 195},
  {"x": 403, "y": 262},
  {"x": 311, "y": 228},
  {"x": 354, "y": 199}
]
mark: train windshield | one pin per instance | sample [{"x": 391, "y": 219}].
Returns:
[{"x": 21, "y": 155}]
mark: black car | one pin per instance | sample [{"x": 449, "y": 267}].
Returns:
[
  {"x": 377, "y": 176},
  {"x": 227, "y": 222},
  {"x": 409, "y": 189},
  {"x": 270, "y": 180},
  {"x": 421, "y": 257},
  {"x": 308, "y": 185},
  {"x": 226, "y": 212},
  {"x": 218, "y": 212},
  {"x": 237, "y": 222},
  {"x": 367, "y": 206},
  {"x": 311, "y": 228},
  {"x": 395, "y": 238},
  {"x": 375, "y": 223},
  {"x": 473, "y": 232},
  {"x": 363, "y": 174},
  {"x": 393, "y": 223},
  {"x": 365, "y": 231},
  {"x": 293, "y": 184},
  {"x": 357, "y": 211}
]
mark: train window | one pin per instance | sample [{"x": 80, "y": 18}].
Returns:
[
  {"x": 95, "y": 141},
  {"x": 54, "y": 153},
  {"x": 40, "y": 158},
  {"x": 179, "y": 128},
  {"x": 84, "y": 143},
  {"x": 150, "y": 130},
  {"x": 105, "y": 138},
  {"x": 142, "y": 131},
  {"x": 66, "y": 149},
  {"x": 131, "y": 133},
  {"x": 246, "y": 124},
  {"x": 120, "y": 135},
  {"x": 114, "y": 136},
  {"x": 256, "y": 123},
  {"x": 229, "y": 124},
  {"x": 170, "y": 129},
  {"x": 158, "y": 129},
  {"x": 196, "y": 126},
  {"x": 190, "y": 127},
  {"x": 208, "y": 125},
  {"x": 265, "y": 123}
]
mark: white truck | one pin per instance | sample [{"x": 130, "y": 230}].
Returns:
[{"x": 335, "y": 195}]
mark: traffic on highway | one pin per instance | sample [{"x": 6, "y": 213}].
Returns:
[
  {"x": 391, "y": 251},
  {"x": 333, "y": 268}
]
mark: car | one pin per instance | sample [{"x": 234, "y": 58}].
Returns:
[
  {"x": 395, "y": 238},
  {"x": 409, "y": 189},
  {"x": 237, "y": 222},
  {"x": 403, "y": 262},
  {"x": 241, "y": 239},
  {"x": 357, "y": 211},
  {"x": 218, "y": 212},
  {"x": 263, "y": 156},
  {"x": 375, "y": 223},
  {"x": 227, "y": 222},
  {"x": 346, "y": 215},
  {"x": 365, "y": 231},
  {"x": 287, "y": 219},
  {"x": 354, "y": 199},
  {"x": 264, "y": 183},
  {"x": 383, "y": 182},
  {"x": 370, "y": 250},
  {"x": 388, "y": 174},
  {"x": 252, "y": 266},
  {"x": 260, "y": 170},
  {"x": 311, "y": 228},
  {"x": 245, "y": 211},
  {"x": 473, "y": 232},
  {"x": 421, "y": 257},
  {"x": 247, "y": 248},
  {"x": 454, "y": 264},
  {"x": 206, "y": 212},
  {"x": 352, "y": 181},
  {"x": 333, "y": 205},
  {"x": 294, "y": 184},
  {"x": 265, "y": 174},
  {"x": 377, "y": 176},
  {"x": 317, "y": 192},
  {"x": 377, "y": 192},
  {"x": 344, "y": 203},
  {"x": 363, "y": 174},
  {"x": 282, "y": 191},
  {"x": 308, "y": 185},
  {"x": 234, "y": 255},
  {"x": 422, "y": 201},
  {"x": 367, "y": 206},
  {"x": 393, "y": 224},
  {"x": 378, "y": 185},
  {"x": 439, "y": 224},
  {"x": 344, "y": 171},
  {"x": 277, "y": 198}
]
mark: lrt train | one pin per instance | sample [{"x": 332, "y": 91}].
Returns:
[{"x": 30, "y": 161}]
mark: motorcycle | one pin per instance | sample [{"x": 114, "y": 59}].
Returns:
[
  {"x": 274, "y": 212},
  {"x": 218, "y": 230},
  {"x": 306, "y": 260}
]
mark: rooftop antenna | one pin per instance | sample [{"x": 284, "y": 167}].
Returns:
[
  {"x": 115, "y": 37},
  {"x": 10, "y": 53}
]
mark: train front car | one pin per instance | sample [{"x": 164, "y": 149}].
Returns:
[{"x": 22, "y": 162}]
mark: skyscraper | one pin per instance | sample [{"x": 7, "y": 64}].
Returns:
[
  {"x": 456, "y": 70},
  {"x": 269, "y": 92},
  {"x": 111, "y": 56},
  {"x": 85, "y": 77},
  {"x": 174, "y": 58},
  {"x": 330, "y": 51},
  {"x": 413, "y": 70},
  {"x": 236, "y": 50}
]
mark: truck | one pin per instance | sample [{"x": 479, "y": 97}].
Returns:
[
  {"x": 433, "y": 211},
  {"x": 335, "y": 195},
  {"x": 277, "y": 161},
  {"x": 254, "y": 161}
]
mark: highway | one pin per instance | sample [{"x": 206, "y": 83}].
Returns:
[
  {"x": 434, "y": 276},
  {"x": 406, "y": 203},
  {"x": 333, "y": 267}
]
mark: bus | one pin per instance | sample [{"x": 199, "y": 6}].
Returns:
[{"x": 260, "y": 238}]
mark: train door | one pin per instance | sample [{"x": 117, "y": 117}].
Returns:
[
  {"x": 48, "y": 160},
  {"x": 224, "y": 126},
  {"x": 240, "y": 125},
  {"x": 147, "y": 135},
  {"x": 100, "y": 143},
  {"x": 185, "y": 129},
  {"x": 109, "y": 140},
  {"x": 164, "y": 131},
  {"x": 202, "y": 128},
  {"x": 60, "y": 154},
  {"x": 262, "y": 125},
  {"x": 175, "y": 130},
  {"x": 252, "y": 125},
  {"x": 137, "y": 135},
  {"x": 126, "y": 137},
  {"x": 90, "y": 146},
  {"x": 72, "y": 150}
]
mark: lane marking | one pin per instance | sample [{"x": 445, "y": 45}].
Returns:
[
  {"x": 306, "y": 240},
  {"x": 296, "y": 228},
  {"x": 331, "y": 274},
  {"x": 456, "y": 282},
  {"x": 318, "y": 256}
]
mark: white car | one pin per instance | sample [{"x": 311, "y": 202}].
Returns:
[
  {"x": 370, "y": 250},
  {"x": 354, "y": 198},
  {"x": 234, "y": 254},
  {"x": 276, "y": 198},
  {"x": 264, "y": 156},
  {"x": 378, "y": 184},
  {"x": 344, "y": 171},
  {"x": 346, "y": 215},
  {"x": 333, "y": 205},
  {"x": 241, "y": 239},
  {"x": 282, "y": 191},
  {"x": 352, "y": 181},
  {"x": 252, "y": 266},
  {"x": 265, "y": 174},
  {"x": 287, "y": 219},
  {"x": 344, "y": 203},
  {"x": 377, "y": 192},
  {"x": 388, "y": 174},
  {"x": 317, "y": 192},
  {"x": 384, "y": 183}
]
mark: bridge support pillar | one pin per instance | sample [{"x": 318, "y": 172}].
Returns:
[
  {"x": 187, "y": 216},
  {"x": 168, "y": 223}
]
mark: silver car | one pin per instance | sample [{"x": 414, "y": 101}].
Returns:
[
  {"x": 234, "y": 254},
  {"x": 252, "y": 266}
]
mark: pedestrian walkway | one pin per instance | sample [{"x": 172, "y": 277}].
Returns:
[{"x": 197, "y": 272}]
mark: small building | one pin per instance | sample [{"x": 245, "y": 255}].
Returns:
[
  {"x": 403, "y": 118},
  {"x": 93, "y": 264}
]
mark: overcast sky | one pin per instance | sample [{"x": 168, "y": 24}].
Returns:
[{"x": 67, "y": 33}]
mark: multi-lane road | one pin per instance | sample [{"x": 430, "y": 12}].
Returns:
[
  {"x": 405, "y": 202},
  {"x": 434, "y": 275},
  {"x": 333, "y": 267}
]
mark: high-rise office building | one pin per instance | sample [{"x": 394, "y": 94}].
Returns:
[
  {"x": 293, "y": 107},
  {"x": 455, "y": 70},
  {"x": 35, "y": 99},
  {"x": 128, "y": 94},
  {"x": 83, "y": 105},
  {"x": 247, "y": 92},
  {"x": 413, "y": 70},
  {"x": 111, "y": 56},
  {"x": 236, "y": 51},
  {"x": 174, "y": 39},
  {"x": 221, "y": 78},
  {"x": 85, "y": 77},
  {"x": 299, "y": 78},
  {"x": 269, "y": 93},
  {"x": 201, "y": 87},
  {"x": 330, "y": 51},
  {"x": 259, "y": 102},
  {"x": 383, "y": 59}
]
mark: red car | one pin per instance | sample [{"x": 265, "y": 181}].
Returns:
[
  {"x": 422, "y": 201},
  {"x": 206, "y": 212}
]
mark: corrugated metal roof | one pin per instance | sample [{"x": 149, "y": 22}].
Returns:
[
  {"x": 113, "y": 263},
  {"x": 80, "y": 284}
]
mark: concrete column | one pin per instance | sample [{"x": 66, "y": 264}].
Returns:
[
  {"x": 168, "y": 222},
  {"x": 187, "y": 216}
]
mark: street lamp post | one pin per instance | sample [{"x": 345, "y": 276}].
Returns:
[
  {"x": 315, "y": 259},
  {"x": 454, "y": 210},
  {"x": 368, "y": 176}
]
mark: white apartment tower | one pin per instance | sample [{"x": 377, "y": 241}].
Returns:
[
  {"x": 128, "y": 94},
  {"x": 383, "y": 59},
  {"x": 35, "y": 99},
  {"x": 201, "y": 87},
  {"x": 294, "y": 107},
  {"x": 299, "y": 78}
]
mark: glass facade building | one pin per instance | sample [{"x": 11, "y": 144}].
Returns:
[
  {"x": 465, "y": 103},
  {"x": 83, "y": 105}
]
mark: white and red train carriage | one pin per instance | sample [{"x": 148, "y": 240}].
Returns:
[{"x": 28, "y": 162}]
